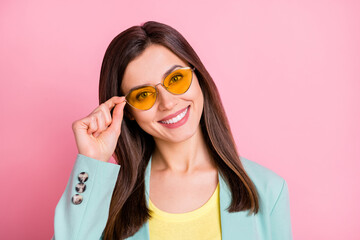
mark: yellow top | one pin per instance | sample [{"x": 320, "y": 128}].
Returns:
[{"x": 202, "y": 223}]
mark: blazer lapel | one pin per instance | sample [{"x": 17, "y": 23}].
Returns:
[
  {"x": 236, "y": 225},
  {"x": 232, "y": 224}
]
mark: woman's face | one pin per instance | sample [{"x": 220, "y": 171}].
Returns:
[{"x": 149, "y": 68}]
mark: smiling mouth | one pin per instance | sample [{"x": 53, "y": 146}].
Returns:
[{"x": 176, "y": 118}]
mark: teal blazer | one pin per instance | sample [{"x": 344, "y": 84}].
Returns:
[{"x": 87, "y": 220}]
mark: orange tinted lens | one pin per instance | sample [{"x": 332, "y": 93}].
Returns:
[
  {"x": 142, "y": 98},
  {"x": 179, "y": 81}
]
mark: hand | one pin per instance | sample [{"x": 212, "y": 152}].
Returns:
[{"x": 94, "y": 137}]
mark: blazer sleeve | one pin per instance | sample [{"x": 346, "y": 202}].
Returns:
[
  {"x": 82, "y": 213},
  {"x": 280, "y": 216}
]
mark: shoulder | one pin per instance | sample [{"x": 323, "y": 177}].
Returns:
[
  {"x": 268, "y": 183},
  {"x": 260, "y": 173}
]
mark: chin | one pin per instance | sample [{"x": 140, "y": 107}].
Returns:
[{"x": 185, "y": 135}]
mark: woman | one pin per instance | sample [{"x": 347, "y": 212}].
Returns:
[{"x": 160, "y": 115}]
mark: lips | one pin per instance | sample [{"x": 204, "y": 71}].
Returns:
[{"x": 174, "y": 114}]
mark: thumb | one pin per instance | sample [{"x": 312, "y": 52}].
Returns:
[{"x": 118, "y": 114}]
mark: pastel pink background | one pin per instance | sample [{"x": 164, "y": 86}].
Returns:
[{"x": 287, "y": 71}]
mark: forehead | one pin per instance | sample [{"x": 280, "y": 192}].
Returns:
[{"x": 149, "y": 67}]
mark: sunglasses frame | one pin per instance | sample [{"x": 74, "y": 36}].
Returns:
[{"x": 162, "y": 83}]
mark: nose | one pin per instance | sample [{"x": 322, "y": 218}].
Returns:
[{"x": 165, "y": 99}]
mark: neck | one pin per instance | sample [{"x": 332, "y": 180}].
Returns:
[{"x": 182, "y": 157}]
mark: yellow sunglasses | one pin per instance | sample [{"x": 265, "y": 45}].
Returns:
[{"x": 177, "y": 82}]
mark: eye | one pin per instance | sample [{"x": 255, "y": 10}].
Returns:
[
  {"x": 142, "y": 95},
  {"x": 175, "y": 79}
]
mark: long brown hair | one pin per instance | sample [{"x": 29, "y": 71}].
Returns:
[{"x": 128, "y": 209}]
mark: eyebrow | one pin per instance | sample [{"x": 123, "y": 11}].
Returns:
[{"x": 164, "y": 76}]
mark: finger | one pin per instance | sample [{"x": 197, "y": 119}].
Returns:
[
  {"x": 113, "y": 101},
  {"x": 106, "y": 113},
  {"x": 81, "y": 124},
  {"x": 117, "y": 117},
  {"x": 100, "y": 122},
  {"x": 92, "y": 125}
]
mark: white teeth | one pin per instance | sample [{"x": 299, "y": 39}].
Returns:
[{"x": 177, "y": 118}]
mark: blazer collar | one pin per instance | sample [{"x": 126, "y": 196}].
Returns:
[{"x": 232, "y": 224}]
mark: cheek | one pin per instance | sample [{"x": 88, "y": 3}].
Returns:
[
  {"x": 143, "y": 117},
  {"x": 145, "y": 122},
  {"x": 196, "y": 92}
]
